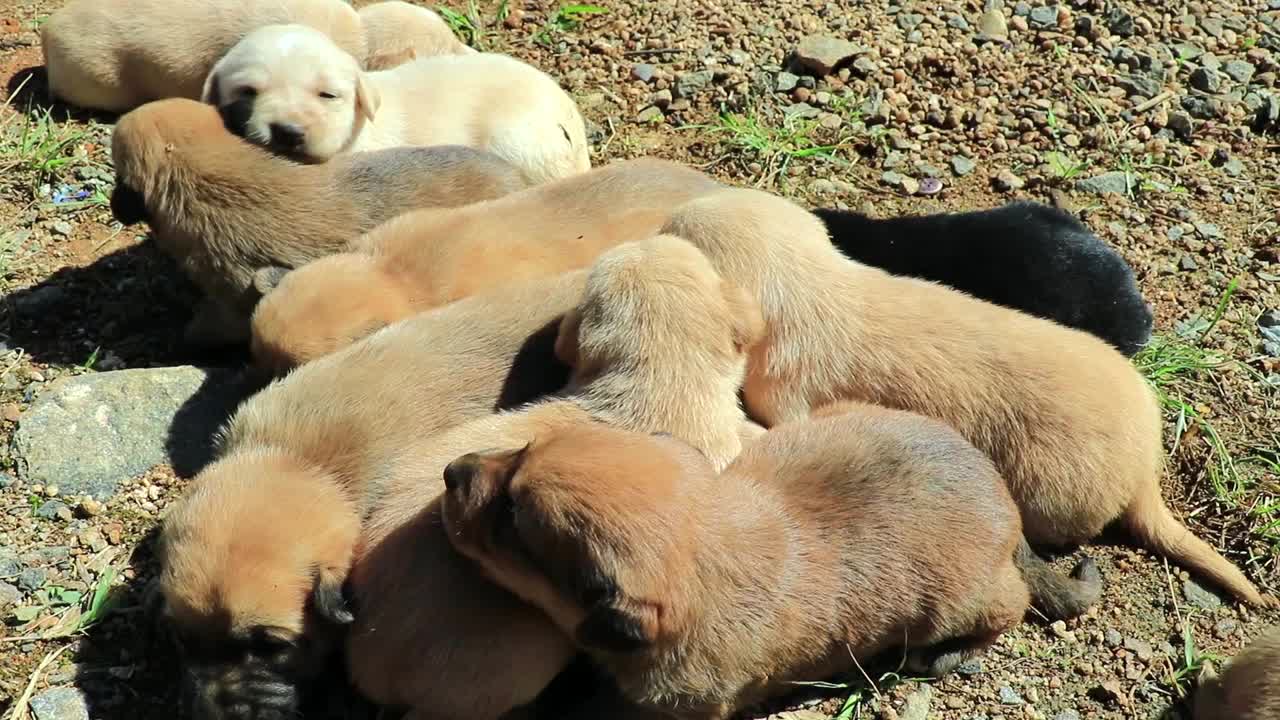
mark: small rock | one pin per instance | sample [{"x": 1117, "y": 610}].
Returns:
[
  {"x": 917, "y": 705},
  {"x": 1059, "y": 628},
  {"x": 993, "y": 26},
  {"x": 801, "y": 111},
  {"x": 90, "y": 508},
  {"x": 1206, "y": 80},
  {"x": 662, "y": 98},
  {"x": 1181, "y": 124},
  {"x": 1198, "y": 596},
  {"x": 1110, "y": 692},
  {"x": 1006, "y": 181},
  {"x": 741, "y": 58},
  {"x": 32, "y": 579},
  {"x": 642, "y": 72},
  {"x": 1225, "y": 628},
  {"x": 1239, "y": 70},
  {"x": 1204, "y": 108},
  {"x": 800, "y": 715},
  {"x": 969, "y": 668},
  {"x": 61, "y": 227},
  {"x": 785, "y": 82},
  {"x": 910, "y": 185},
  {"x": 115, "y": 533},
  {"x": 62, "y": 703},
  {"x": 892, "y": 178},
  {"x": 1186, "y": 262},
  {"x": 1009, "y": 697},
  {"x": 691, "y": 83},
  {"x": 92, "y": 539},
  {"x": 865, "y": 65},
  {"x": 1044, "y": 17},
  {"x": 823, "y": 186},
  {"x": 1112, "y": 638},
  {"x": 962, "y": 165},
  {"x": 1139, "y": 647},
  {"x": 822, "y": 53},
  {"x": 909, "y": 21},
  {"x": 1208, "y": 230},
  {"x": 52, "y": 509},
  {"x": 1120, "y": 22},
  {"x": 1139, "y": 84},
  {"x": 830, "y": 121},
  {"x": 6, "y": 480},
  {"x": 957, "y": 21},
  {"x": 9, "y": 595},
  {"x": 1108, "y": 183},
  {"x": 1233, "y": 167},
  {"x": 1067, "y": 715}
]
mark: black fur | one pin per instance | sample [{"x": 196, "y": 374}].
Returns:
[
  {"x": 610, "y": 629},
  {"x": 330, "y": 602},
  {"x": 236, "y": 114},
  {"x": 1026, "y": 256},
  {"x": 127, "y": 205}
]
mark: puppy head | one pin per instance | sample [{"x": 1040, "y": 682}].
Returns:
[
  {"x": 653, "y": 298},
  {"x": 322, "y": 307},
  {"x": 254, "y": 559},
  {"x": 290, "y": 88},
  {"x": 148, "y": 143},
  {"x": 590, "y": 524}
]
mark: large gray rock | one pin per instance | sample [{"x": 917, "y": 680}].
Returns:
[
  {"x": 86, "y": 433},
  {"x": 822, "y": 53},
  {"x": 62, "y": 703}
]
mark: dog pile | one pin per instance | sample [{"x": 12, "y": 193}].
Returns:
[{"x": 528, "y": 411}]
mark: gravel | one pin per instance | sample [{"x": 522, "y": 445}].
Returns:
[{"x": 63, "y": 703}]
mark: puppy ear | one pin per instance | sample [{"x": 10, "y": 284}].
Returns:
[
  {"x": 618, "y": 628},
  {"x": 368, "y": 100},
  {"x": 329, "y": 601},
  {"x": 210, "y": 94},
  {"x": 748, "y": 322},
  {"x": 567, "y": 339},
  {"x": 388, "y": 60},
  {"x": 266, "y": 279}
]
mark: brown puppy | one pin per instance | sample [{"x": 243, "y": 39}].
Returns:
[
  {"x": 431, "y": 633},
  {"x": 396, "y": 32},
  {"x": 115, "y": 55},
  {"x": 826, "y": 542},
  {"x": 226, "y": 209},
  {"x": 255, "y": 556},
  {"x": 1249, "y": 687},
  {"x": 1071, "y": 425},
  {"x": 429, "y": 258}
]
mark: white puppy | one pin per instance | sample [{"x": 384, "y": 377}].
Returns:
[
  {"x": 290, "y": 88},
  {"x": 115, "y": 55},
  {"x": 396, "y": 32}
]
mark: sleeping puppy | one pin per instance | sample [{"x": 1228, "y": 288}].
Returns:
[
  {"x": 827, "y": 542},
  {"x": 1025, "y": 256},
  {"x": 660, "y": 343},
  {"x": 429, "y": 258},
  {"x": 226, "y": 210},
  {"x": 255, "y": 556},
  {"x": 1072, "y": 426},
  {"x": 289, "y": 88},
  {"x": 115, "y": 55},
  {"x": 1249, "y": 687},
  {"x": 396, "y": 32}
]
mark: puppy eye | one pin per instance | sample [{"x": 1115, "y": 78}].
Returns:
[
  {"x": 265, "y": 642},
  {"x": 328, "y": 96},
  {"x": 247, "y": 92}
]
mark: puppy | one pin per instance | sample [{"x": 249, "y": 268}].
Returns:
[
  {"x": 429, "y": 258},
  {"x": 1249, "y": 687},
  {"x": 825, "y": 543},
  {"x": 115, "y": 55},
  {"x": 1071, "y": 425},
  {"x": 396, "y": 32},
  {"x": 225, "y": 209},
  {"x": 289, "y": 88},
  {"x": 1025, "y": 256},
  {"x": 255, "y": 556},
  {"x": 660, "y": 344}
]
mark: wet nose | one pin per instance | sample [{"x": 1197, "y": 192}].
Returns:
[
  {"x": 287, "y": 135},
  {"x": 457, "y": 474}
]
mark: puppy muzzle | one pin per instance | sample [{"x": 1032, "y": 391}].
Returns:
[
  {"x": 239, "y": 693},
  {"x": 127, "y": 205}
]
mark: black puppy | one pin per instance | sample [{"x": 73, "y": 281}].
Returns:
[{"x": 1025, "y": 255}]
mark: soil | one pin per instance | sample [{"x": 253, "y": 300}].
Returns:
[{"x": 1071, "y": 91}]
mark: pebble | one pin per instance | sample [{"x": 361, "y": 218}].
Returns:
[
  {"x": 1181, "y": 124},
  {"x": 992, "y": 26},
  {"x": 642, "y": 71},
  {"x": 1006, "y": 181},
  {"x": 1208, "y": 230},
  {"x": 1112, "y": 638},
  {"x": 52, "y": 509},
  {"x": 962, "y": 165},
  {"x": 1140, "y": 84},
  {"x": 1199, "y": 596},
  {"x": 917, "y": 704},
  {"x": 969, "y": 668},
  {"x": 1044, "y": 17},
  {"x": 1206, "y": 80},
  {"x": 691, "y": 83},
  {"x": 9, "y": 595},
  {"x": 92, "y": 538},
  {"x": 61, "y": 227},
  {"x": 1225, "y": 628},
  {"x": 801, "y": 111},
  {"x": 32, "y": 579},
  {"x": 785, "y": 82},
  {"x": 1140, "y": 648},
  {"x": 822, "y": 53},
  {"x": 61, "y": 703},
  {"x": 1233, "y": 167},
  {"x": 1110, "y": 691},
  {"x": 909, "y": 21},
  {"x": 1186, "y": 262},
  {"x": 1120, "y": 22},
  {"x": 1239, "y": 70},
  {"x": 1067, "y": 715},
  {"x": 90, "y": 508},
  {"x": 1108, "y": 183},
  {"x": 1009, "y": 697},
  {"x": 1203, "y": 108}
]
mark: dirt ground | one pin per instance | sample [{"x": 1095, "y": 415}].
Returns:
[{"x": 946, "y": 105}]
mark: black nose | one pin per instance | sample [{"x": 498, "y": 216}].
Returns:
[
  {"x": 287, "y": 135},
  {"x": 457, "y": 474}
]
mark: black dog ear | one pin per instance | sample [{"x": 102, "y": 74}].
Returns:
[
  {"x": 266, "y": 279},
  {"x": 329, "y": 601},
  {"x": 612, "y": 629},
  {"x": 127, "y": 205}
]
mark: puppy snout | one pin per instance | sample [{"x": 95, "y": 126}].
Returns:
[
  {"x": 458, "y": 475},
  {"x": 288, "y": 136}
]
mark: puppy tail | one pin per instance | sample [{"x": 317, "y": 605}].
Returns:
[
  {"x": 1057, "y": 596},
  {"x": 1153, "y": 525}
]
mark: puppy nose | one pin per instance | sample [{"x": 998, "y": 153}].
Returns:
[
  {"x": 458, "y": 474},
  {"x": 287, "y": 135}
]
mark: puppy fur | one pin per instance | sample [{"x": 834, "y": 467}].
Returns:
[
  {"x": 261, "y": 545},
  {"x": 1025, "y": 255},
  {"x": 115, "y": 55},
  {"x": 823, "y": 544},
  {"x": 1249, "y": 686},
  {"x": 291, "y": 89},
  {"x": 226, "y": 210},
  {"x": 429, "y": 258},
  {"x": 396, "y": 32},
  {"x": 661, "y": 341},
  {"x": 1071, "y": 425}
]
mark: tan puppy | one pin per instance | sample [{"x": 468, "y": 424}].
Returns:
[
  {"x": 396, "y": 32},
  {"x": 665, "y": 342},
  {"x": 429, "y": 258},
  {"x": 227, "y": 210},
  {"x": 1071, "y": 425},
  {"x": 255, "y": 556},
  {"x": 825, "y": 543},
  {"x": 288, "y": 87},
  {"x": 115, "y": 55},
  {"x": 1249, "y": 687}
]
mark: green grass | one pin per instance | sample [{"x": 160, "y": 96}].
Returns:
[
  {"x": 1183, "y": 674},
  {"x": 37, "y": 150},
  {"x": 566, "y": 18},
  {"x": 469, "y": 25},
  {"x": 1066, "y": 167},
  {"x": 775, "y": 147}
]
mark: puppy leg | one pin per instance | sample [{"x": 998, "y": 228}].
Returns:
[
  {"x": 997, "y": 610},
  {"x": 213, "y": 324},
  {"x": 1057, "y": 596}
]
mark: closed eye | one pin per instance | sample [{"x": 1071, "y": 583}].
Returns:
[
  {"x": 328, "y": 96},
  {"x": 247, "y": 92}
]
